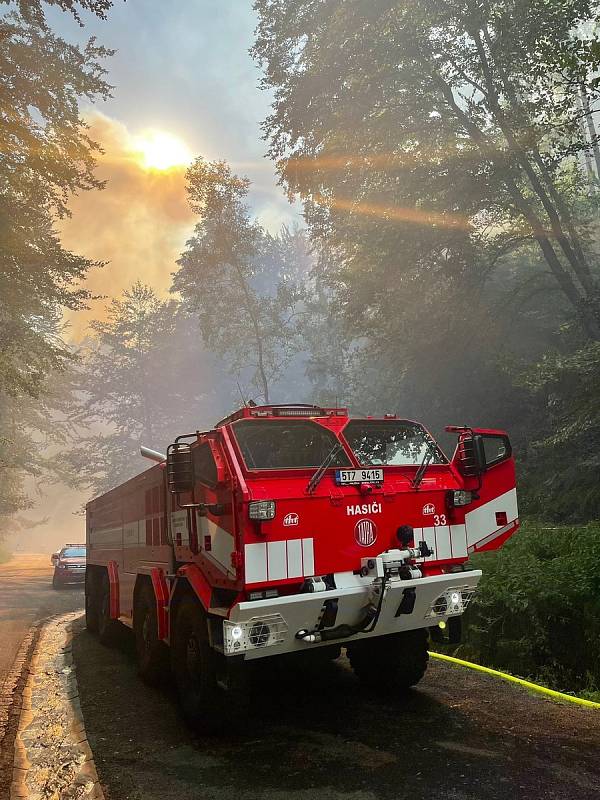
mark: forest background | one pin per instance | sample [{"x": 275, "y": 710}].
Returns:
[{"x": 444, "y": 160}]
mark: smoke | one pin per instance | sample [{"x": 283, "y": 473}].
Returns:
[{"x": 138, "y": 224}]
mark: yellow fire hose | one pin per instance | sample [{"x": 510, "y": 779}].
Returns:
[{"x": 527, "y": 684}]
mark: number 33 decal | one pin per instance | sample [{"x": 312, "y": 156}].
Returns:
[{"x": 440, "y": 519}]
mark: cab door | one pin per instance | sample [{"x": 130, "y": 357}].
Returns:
[{"x": 485, "y": 459}]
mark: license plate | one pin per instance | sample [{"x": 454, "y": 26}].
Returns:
[{"x": 344, "y": 476}]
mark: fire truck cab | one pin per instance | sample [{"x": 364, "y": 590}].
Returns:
[{"x": 296, "y": 529}]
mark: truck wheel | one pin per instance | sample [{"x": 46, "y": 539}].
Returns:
[
  {"x": 92, "y": 611},
  {"x": 55, "y": 583},
  {"x": 152, "y": 653},
  {"x": 107, "y": 627},
  {"x": 194, "y": 669},
  {"x": 397, "y": 661}
]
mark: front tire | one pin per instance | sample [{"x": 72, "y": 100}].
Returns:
[
  {"x": 394, "y": 662},
  {"x": 152, "y": 654},
  {"x": 55, "y": 583},
  {"x": 193, "y": 665}
]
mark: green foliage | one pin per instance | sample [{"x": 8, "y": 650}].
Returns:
[
  {"x": 562, "y": 463},
  {"x": 537, "y": 612},
  {"x": 47, "y": 156},
  {"x": 426, "y": 140},
  {"x": 32, "y": 10}
]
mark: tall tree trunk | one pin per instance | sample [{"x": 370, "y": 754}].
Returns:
[
  {"x": 576, "y": 260},
  {"x": 251, "y": 308},
  {"x": 589, "y": 169},
  {"x": 590, "y": 325},
  {"x": 585, "y": 101}
]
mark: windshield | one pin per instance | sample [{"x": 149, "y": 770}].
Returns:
[
  {"x": 286, "y": 444},
  {"x": 73, "y": 552},
  {"x": 390, "y": 442}
]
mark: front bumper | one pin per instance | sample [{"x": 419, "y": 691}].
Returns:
[
  {"x": 263, "y": 628},
  {"x": 69, "y": 576}
]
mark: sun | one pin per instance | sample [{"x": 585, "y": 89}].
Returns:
[{"x": 161, "y": 150}]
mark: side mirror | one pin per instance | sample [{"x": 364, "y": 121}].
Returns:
[
  {"x": 180, "y": 468},
  {"x": 471, "y": 455}
]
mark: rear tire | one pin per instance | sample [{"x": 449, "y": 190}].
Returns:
[
  {"x": 394, "y": 662},
  {"x": 193, "y": 664},
  {"x": 107, "y": 627},
  {"x": 152, "y": 653},
  {"x": 92, "y": 604}
]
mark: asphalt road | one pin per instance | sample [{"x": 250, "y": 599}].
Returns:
[
  {"x": 459, "y": 736},
  {"x": 26, "y": 596}
]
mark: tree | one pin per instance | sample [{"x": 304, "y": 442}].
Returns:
[
  {"x": 32, "y": 10},
  {"x": 143, "y": 379},
  {"x": 444, "y": 131},
  {"x": 47, "y": 156},
  {"x": 238, "y": 279}
]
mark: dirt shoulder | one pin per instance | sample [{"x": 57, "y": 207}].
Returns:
[
  {"x": 461, "y": 736},
  {"x": 26, "y": 598}
]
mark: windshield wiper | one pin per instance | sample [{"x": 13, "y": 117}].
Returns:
[
  {"x": 427, "y": 459},
  {"x": 316, "y": 478}
]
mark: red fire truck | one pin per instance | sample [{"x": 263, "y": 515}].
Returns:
[{"x": 295, "y": 529}]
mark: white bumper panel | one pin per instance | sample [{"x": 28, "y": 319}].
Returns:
[{"x": 302, "y": 611}]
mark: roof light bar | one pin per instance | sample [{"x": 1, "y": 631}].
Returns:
[{"x": 298, "y": 412}]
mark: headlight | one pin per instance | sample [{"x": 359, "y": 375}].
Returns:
[
  {"x": 451, "y": 603},
  {"x": 256, "y": 632},
  {"x": 262, "y": 509},
  {"x": 460, "y": 497}
]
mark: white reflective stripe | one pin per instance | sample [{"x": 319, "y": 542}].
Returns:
[
  {"x": 294, "y": 558},
  {"x": 277, "y": 560},
  {"x": 308, "y": 557},
  {"x": 222, "y": 542},
  {"x": 131, "y": 535},
  {"x": 481, "y": 522},
  {"x": 255, "y": 557},
  {"x": 458, "y": 535},
  {"x": 492, "y": 536},
  {"x": 442, "y": 542},
  {"x": 109, "y": 537},
  {"x": 179, "y": 526}
]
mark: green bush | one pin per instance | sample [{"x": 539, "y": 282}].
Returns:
[{"x": 537, "y": 611}]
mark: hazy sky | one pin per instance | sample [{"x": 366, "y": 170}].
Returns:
[{"x": 182, "y": 67}]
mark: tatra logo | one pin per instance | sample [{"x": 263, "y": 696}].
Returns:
[
  {"x": 363, "y": 508},
  {"x": 365, "y": 532},
  {"x": 429, "y": 508},
  {"x": 290, "y": 519}
]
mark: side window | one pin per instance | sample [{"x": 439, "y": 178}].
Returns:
[
  {"x": 205, "y": 469},
  {"x": 496, "y": 448}
]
